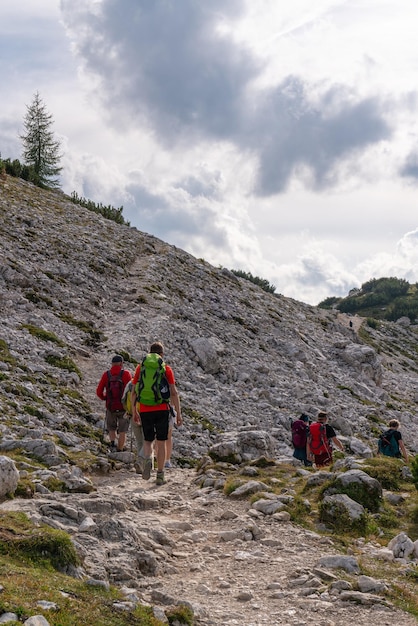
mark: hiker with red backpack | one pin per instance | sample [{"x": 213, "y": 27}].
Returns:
[
  {"x": 300, "y": 431},
  {"x": 110, "y": 389},
  {"x": 322, "y": 437}
]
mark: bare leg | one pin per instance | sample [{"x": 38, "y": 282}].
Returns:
[
  {"x": 169, "y": 445},
  {"x": 121, "y": 441},
  {"x": 160, "y": 455}
]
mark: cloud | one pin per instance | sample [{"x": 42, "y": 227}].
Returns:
[
  {"x": 176, "y": 69},
  {"x": 165, "y": 61},
  {"x": 291, "y": 133},
  {"x": 410, "y": 167}
]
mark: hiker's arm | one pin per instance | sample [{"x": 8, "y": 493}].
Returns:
[
  {"x": 175, "y": 399},
  {"x": 337, "y": 443},
  {"x": 135, "y": 414},
  {"x": 309, "y": 454},
  {"x": 403, "y": 450},
  {"x": 101, "y": 389}
]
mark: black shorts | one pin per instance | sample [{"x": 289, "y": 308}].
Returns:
[{"x": 155, "y": 425}]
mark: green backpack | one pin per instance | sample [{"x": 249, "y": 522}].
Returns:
[{"x": 152, "y": 387}]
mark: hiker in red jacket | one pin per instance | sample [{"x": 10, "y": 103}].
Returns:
[
  {"x": 110, "y": 389},
  {"x": 321, "y": 434}
]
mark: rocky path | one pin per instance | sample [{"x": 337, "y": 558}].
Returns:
[
  {"x": 233, "y": 566},
  {"x": 237, "y": 568}
]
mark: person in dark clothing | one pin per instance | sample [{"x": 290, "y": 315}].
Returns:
[
  {"x": 300, "y": 430},
  {"x": 394, "y": 432}
]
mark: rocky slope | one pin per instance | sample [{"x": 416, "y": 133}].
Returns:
[{"x": 75, "y": 289}]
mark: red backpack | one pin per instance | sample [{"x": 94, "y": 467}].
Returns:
[
  {"x": 318, "y": 441},
  {"x": 114, "y": 391}
]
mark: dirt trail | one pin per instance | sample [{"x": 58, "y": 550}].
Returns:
[{"x": 233, "y": 568}]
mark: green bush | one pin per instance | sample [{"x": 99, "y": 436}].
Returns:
[{"x": 261, "y": 282}]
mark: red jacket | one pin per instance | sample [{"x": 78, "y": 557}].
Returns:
[{"x": 114, "y": 371}]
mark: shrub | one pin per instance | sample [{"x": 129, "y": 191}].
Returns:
[{"x": 261, "y": 282}]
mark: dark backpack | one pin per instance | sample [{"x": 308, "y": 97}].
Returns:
[
  {"x": 152, "y": 387},
  {"x": 388, "y": 445},
  {"x": 299, "y": 433},
  {"x": 114, "y": 391},
  {"x": 318, "y": 440}
]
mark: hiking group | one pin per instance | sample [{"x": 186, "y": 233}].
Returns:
[
  {"x": 150, "y": 402},
  {"x": 314, "y": 441}
]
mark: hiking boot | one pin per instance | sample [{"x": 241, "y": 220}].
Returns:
[
  {"x": 112, "y": 447},
  {"x": 138, "y": 467},
  {"x": 167, "y": 465},
  {"x": 146, "y": 469},
  {"x": 160, "y": 479}
]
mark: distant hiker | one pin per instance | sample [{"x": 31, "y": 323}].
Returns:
[
  {"x": 151, "y": 410},
  {"x": 390, "y": 442},
  {"x": 300, "y": 430},
  {"x": 351, "y": 324},
  {"x": 110, "y": 389},
  {"x": 321, "y": 434}
]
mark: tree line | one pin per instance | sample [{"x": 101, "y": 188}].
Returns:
[{"x": 381, "y": 298}]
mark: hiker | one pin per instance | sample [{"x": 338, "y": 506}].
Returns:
[
  {"x": 110, "y": 389},
  {"x": 151, "y": 412},
  {"x": 169, "y": 442},
  {"x": 321, "y": 436},
  {"x": 390, "y": 442},
  {"x": 300, "y": 430},
  {"x": 137, "y": 431}
]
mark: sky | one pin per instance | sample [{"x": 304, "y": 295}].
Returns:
[{"x": 277, "y": 138}]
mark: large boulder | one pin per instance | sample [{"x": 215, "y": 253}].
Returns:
[
  {"x": 246, "y": 445},
  {"x": 9, "y": 477},
  {"x": 342, "y": 513},
  {"x": 359, "y": 486}
]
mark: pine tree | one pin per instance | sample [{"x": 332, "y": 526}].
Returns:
[{"x": 41, "y": 152}]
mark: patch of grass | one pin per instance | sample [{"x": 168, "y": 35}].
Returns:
[
  {"x": 180, "y": 615},
  {"x": 64, "y": 363},
  {"x": 5, "y": 355},
  {"x": 299, "y": 510},
  {"x": 197, "y": 418},
  {"x": 403, "y": 588},
  {"x": 263, "y": 462},
  {"x": 20, "y": 538},
  {"x": 78, "y": 603},
  {"x": 95, "y": 337},
  {"x": 231, "y": 485},
  {"x": 45, "y": 335},
  {"x": 31, "y": 410},
  {"x": 38, "y": 298},
  {"x": 388, "y": 471},
  {"x": 82, "y": 430}
]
